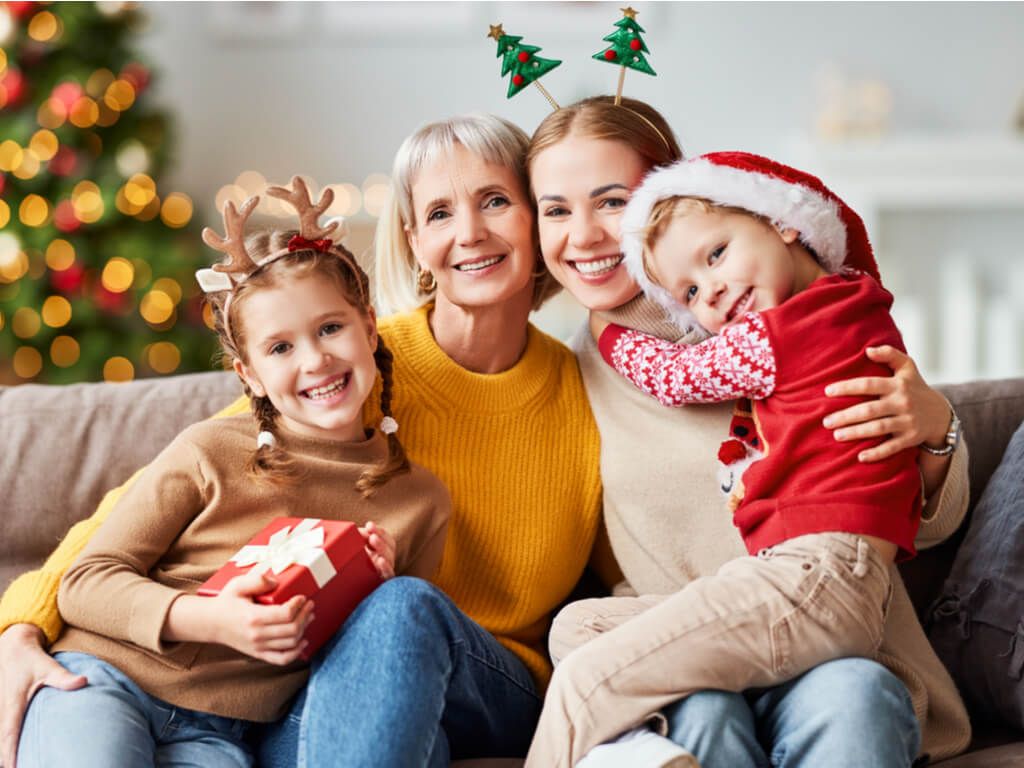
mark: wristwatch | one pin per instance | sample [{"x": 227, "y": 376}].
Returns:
[{"x": 952, "y": 437}]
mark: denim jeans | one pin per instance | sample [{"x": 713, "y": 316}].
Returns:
[
  {"x": 408, "y": 681},
  {"x": 113, "y": 722},
  {"x": 844, "y": 713}
]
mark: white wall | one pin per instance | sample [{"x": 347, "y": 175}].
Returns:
[{"x": 331, "y": 89}]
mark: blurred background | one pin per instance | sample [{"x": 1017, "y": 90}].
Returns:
[{"x": 124, "y": 127}]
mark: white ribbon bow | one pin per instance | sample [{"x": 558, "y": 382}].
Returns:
[{"x": 302, "y": 546}]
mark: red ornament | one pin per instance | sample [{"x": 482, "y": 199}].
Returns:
[
  {"x": 68, "y": 93},
  {"x": 64, "y": 217},
  {"x": 518, "y": 79},
  {"x": 19, "y": 9},
  {"x": 3, "y": 182},
  {"x": 635, "y": 44},
  {"x": 110, "y": 302},
  {"x": 64, "y": 162},
  {"x": 68, "y": 280},
  {"x": 731, "y": 450},
  {"x": 610, "y": 55},
  {"x": 13, "y": 83},
  {"x": 523, "y": 56}
]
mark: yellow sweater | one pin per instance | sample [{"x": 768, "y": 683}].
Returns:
[{"x": 519, "y": 452}]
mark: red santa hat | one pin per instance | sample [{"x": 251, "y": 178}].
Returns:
[{"x": 789, "y": 198}]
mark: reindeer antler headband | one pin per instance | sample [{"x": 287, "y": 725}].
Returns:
[{"x": 228, "y": 275}]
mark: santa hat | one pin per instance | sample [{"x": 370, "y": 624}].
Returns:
[{"x": 789, "y": 198}]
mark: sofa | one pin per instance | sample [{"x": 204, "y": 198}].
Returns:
[{"x": 63, "y": 447}]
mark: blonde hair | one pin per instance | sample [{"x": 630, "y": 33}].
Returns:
[
  {"x": 271, "y": 462},
  {"x": 633, "y": 122},
  {"x": 668, "y": 208},
  {"x": 489, "y": 137}
]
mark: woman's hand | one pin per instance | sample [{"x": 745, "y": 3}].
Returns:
[
  {"x": 906, "y": 408},
  {"x": 25, "y": 667},
  {"x": 380, "y": 546},
  {"x": 270, "y": 633}
]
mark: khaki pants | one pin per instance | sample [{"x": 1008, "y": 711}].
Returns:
[{"x": 758, "y": 622}]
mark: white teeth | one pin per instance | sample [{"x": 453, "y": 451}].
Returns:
[
  {"x": 318, "y": 393},
  {"x": 597, "y": 266},
  {"x": 476, "y": 265}
]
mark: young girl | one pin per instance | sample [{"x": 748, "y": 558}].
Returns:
[{"x": 176, "y": 677}]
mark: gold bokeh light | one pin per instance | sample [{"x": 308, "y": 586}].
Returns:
[
  {"x": 27, "y": 362},
  {"x": 60, "y": 254},
  {"x": 118, "y": 369},
  {"x": 56, "y": 311},
  {"x": 163, "y": 357},
  {"x": 64, "y": 351},
  {"x": 118, "y": 274}
]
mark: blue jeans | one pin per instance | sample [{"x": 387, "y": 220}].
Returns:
[
  {"x": 409, "y": 680},
  {"x": 849, "y": 712},
  {"x": 114, "y": 722}
]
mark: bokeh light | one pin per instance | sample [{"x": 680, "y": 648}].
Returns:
[
  {"x": 163, "y": 357},
  {"x": 43, "y": 27},
  {"x": 56, "y": 311},
  {"x": 52, "y": 113},
  {"x": 156, "y": 307},
  {"x": 118, "y": 369},
  {"x": 25, "y": 322},
  {"x": 84, "y": 113},
  {"x": 27, "y": 362},
  {"x": 98, "y": 82},
  {"x": 120, "y": 95},
  {"x": 118, "y": 274},
  {"x": 252, "y": 182},
  {"x": 34, "y": 211},
  {"x": 143, "y": 273},
  {"x": 347, "y": 200},
  {"x": 60, "y": 254},
  {"x": 230, "y": 193},
  {"x": 375, "y": 194},
  {"x": 29, "y": 165},
  {"x": 64, "y": 351},
  {"x": 5, "y": 214},
  {"x": 169, "y": 286},
  {"x": 87, "y": 202},
  {"x": 140, "y": 189},
  {"x": 44, "y": 144},
  {"x": 10, "y": 155},
  {"x": 131, "y": 158},
  {"x": 176, "y": 210}
]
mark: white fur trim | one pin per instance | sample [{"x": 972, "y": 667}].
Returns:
[{"x": 791, "y": 206}]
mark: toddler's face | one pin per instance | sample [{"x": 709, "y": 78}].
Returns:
[
  {"x": 721, "y": 264},
  {"x": 311, "y": 352}
]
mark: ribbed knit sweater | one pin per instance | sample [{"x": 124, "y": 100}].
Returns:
[
  {"x": 195, "y": 507},
  {"x": 667, "y": 524},
  {"x": 518, "y": 451}
]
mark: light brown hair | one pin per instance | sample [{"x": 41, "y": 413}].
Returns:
[{"x": 271, "y": 462}]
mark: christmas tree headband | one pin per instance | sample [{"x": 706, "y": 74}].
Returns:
[
  {"x": 227, "y": 276},
  {"x": 626, "y": 49}
]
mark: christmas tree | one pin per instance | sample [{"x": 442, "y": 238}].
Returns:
[
  {"x": 520, "y": 60},
  {"x": 627, "y": 48},
  {"x": 97, "y": 260}
]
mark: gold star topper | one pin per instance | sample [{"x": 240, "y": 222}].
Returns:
[
  {"x": 496, "y": 32},
  {"x": 628, "y": 12}
]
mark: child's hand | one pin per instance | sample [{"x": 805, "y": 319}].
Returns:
[
  {"x": 380, "y": 546},
  {"x": 270, "y": 633},
  {"x": 597, "y": 325}
]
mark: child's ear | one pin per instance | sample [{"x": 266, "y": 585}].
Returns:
[
  {"x": 371, "y": 327},
  {"x": 246, "y": 375},
  {"x": 788, "y": 234}
]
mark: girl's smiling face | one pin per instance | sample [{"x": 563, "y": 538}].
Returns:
[
  {"x": 311, "y": 352},
  {"x": 582, "y": 186}
]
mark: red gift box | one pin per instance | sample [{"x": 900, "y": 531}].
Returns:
[{"x": 325, "y": 560}]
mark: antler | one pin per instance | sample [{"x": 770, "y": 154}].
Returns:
[
  {"x": 233, "y": 243},
  {"x": 299, "y": 197}
]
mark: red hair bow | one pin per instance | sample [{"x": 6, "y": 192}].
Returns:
[{"x": 299, "y": 243}]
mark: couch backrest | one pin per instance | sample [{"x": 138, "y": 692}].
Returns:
[
  {"x": 990, "y": 412},
  {"x": 65, "y": 446}
]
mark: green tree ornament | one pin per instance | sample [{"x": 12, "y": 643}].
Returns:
[
  {"x": 521, "y": 62},
  {"x": 627, "y": 47}
]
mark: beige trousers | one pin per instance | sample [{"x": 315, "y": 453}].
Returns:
[{"x": 757, "y": 622}]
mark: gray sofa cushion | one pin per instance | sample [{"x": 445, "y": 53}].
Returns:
[
  {"x": 977, "y": 624},
  {"x": 64, "y": 447}
]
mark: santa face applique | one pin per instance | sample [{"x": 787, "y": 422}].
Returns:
[{"x": 737, "y": 452}]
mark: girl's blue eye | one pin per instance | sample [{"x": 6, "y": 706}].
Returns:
[
  {"x": 280, "y": 348},
  {"x": 691, "y": 293},
  {"x": 716, "y": 254}
]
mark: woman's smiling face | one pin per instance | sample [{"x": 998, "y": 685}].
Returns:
[{"x": 582, "y": 186}]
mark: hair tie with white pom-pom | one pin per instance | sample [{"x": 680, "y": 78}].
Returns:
[
  {"x": 388, "y": 425},
  {"x": 265, "y": 439}
]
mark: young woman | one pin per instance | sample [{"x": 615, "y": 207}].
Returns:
[{"x": 664, "y": 521}]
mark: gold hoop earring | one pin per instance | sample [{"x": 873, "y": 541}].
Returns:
[{"x": 425, "y": 281}]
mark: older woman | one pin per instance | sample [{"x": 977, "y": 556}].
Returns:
[
  {"x": 423, "y": 671},
  {"x": 664, "y": 513}
]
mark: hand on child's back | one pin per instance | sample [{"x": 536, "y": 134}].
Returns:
[
  {"x": 271, "y": 633},
  {"x": 380, "y": 546}
]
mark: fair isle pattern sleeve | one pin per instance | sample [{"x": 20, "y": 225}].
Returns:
[{"x": 739, "y": 362}]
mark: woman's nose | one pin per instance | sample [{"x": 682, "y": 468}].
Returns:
[
  {"x": 585, "y": 231},
  {"x": 470, "y": 228}
]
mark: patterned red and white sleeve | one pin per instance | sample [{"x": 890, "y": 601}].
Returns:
[{"x": 739, "y": 362}]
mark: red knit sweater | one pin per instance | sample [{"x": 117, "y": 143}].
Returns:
[{"x": 804, "y": 480}]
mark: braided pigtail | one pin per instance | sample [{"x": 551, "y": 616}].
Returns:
[
  {"x": 269, "y": 461},
  {"x": 396, "y": 461}
]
